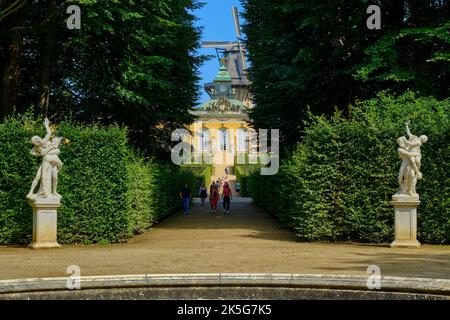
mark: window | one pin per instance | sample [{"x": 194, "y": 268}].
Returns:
[
  {"x": 204, "y": 143},
  {"x": 223, "y": 139},
  {"x": 242, "y": 142}
]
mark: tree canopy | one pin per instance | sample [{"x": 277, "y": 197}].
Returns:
[
  {"x": 320, "y": 56},
  {"x": 132, "y": 62}
]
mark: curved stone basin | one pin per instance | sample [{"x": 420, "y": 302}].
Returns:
[{"x": 225, "y": 286}]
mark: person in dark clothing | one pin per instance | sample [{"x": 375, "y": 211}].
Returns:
[
  {"x": 203, "y": 194},
  {"x": 185, "y": 195}
]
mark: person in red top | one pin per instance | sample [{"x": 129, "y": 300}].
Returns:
[
  {"x": 226, "y": 198},
  {"x": 213, "y": 197}
]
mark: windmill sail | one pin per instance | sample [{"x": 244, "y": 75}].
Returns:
[
  {"x": 235, "y": 61},
  {"x": 237, "y": 25}
]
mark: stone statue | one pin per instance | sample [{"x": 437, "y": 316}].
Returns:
[
  {"x": 47, "y": 174},
  {"x": 409, "y": 173}
]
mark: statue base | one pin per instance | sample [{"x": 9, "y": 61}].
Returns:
[
  {"x": 45, "y": 211},
  {"x": 405, "y": 222}
]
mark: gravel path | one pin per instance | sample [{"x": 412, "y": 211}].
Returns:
[{"x": 248, "y": 240}]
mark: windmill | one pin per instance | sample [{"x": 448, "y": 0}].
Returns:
[{"x": 234, "y": 54}]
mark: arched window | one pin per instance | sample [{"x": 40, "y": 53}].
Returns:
[
  {"x": 204, "y": 141},
  {"x": 242, "y": 141},
  {"x": 223, "y": 139}
]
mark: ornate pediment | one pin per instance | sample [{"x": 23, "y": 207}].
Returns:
[{"x": 223, "y": 105}]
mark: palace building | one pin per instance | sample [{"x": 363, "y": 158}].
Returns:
[{"x": 220, "y": 132}]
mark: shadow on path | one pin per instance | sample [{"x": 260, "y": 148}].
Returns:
[{"x": 247, "y": 241}]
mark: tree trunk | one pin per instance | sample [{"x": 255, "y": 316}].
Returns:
[
  {"x": 10, "y": 75},
  {"x": 417, "y": 9},
  {"x": 47, "y": 57}
]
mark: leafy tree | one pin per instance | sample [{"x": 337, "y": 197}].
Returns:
[
  {"x": 30, "y": 41},
  {"x": 131, "y": 63},
  {"x": 319, "y": 55},
  {"x": 415, "y": 56},
  {"x": 10, "y": 46}
]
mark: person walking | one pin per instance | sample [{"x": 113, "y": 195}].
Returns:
[
  {"x": 211, "y": 190},
  {"x": 238, "y": 188},
  {"x": 185, "y": 195},
  {"x": 214, "y": 198},
  {"x": 217, "y": 184},
  {"x": 203, "y": 194},
  {"x": 226, "y": 198}
]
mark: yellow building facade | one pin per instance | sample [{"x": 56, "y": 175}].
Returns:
[{"x": 221, "y": 135}]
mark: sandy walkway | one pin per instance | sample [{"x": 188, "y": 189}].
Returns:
[{"x": 247, "y": 241}]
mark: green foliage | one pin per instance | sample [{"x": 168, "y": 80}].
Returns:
[
  {"x": 169, "y": 181},
  {"x": 338, "y": 183},
  {"x": 202, "y": 176},
  {"x": 141, "y": 192},
  {"x": 94, "y": 184},
  {"x": 109, "y": 193},
  {"x": 319, "y": 55},
  {"x": 147, "y": 79},
  {"x": 243, "y": 173},
  {"x": 417, "y": 58},
  {"x": 132, "y": 62},
  {"x": 16, "y": 174}
]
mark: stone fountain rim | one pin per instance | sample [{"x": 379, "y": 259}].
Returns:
[{"x": 280, "y": 280}]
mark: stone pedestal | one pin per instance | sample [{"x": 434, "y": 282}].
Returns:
[
  {"x": 44, "y": 222},
  {"x": 405, "y": 223}
]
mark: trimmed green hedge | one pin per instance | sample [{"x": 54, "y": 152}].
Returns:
[
  {"x": 202, "y": 175},
  {"x": 109, "y": 193},
  {"x": 169, "y": 180},
  {"x": 243, "y": 172},
  {"x": 17, "y": 170},
  {"x": 338, "y": 183}
]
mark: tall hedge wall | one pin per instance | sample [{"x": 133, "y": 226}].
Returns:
[
  {"x": 338, "y": 182},
  {"x": 202, "y": 176},
  {"x": 109, "y": 193},
  {"x": 243, "y": 172}
]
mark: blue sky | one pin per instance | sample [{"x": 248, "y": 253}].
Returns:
[{"x": 216, "y": 19}]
